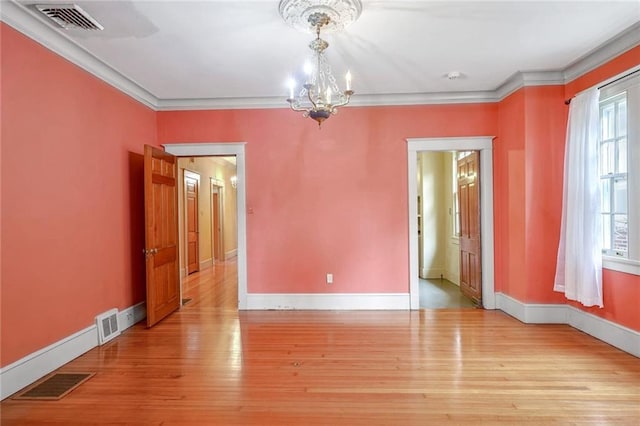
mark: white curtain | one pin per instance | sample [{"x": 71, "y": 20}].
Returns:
[{"x": 579, "y": 265}]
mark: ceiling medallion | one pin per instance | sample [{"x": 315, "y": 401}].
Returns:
[{"x": 341, "y": 13}]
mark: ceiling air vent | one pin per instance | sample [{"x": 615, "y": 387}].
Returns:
[{"x": 69, "y": 16}]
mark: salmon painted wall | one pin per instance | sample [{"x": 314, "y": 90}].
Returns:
[
  {"x": 621, "y": 291},
  {"x": 72, "y": 219},
  {"x": 509, "y": 197},
  {"x": 545, "y": 128},
  {"x": 332, "y": 200}
]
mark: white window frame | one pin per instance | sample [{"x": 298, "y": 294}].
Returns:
[{"x": 631, "y": 85}]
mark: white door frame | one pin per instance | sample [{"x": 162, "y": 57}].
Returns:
[
  {"x": 484, "y": 144},
  {"x": 226, "y": 149}
]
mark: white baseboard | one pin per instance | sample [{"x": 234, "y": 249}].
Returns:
[
  {"x": 432, "y": 274},
  {"x": 614, "y": 334},
  {"x": 333, "y": 301},
  {"x": 36, "y": 365},
  {"x": 204, "y": 264},
  {"x": 454, "y": 278},
  {"x": 231, "y": 254}
]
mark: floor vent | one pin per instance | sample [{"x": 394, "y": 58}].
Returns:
[
  {"x": 69, "y": 16},
  {"x": 55, "y": 386},
  {"x": 108, "y": 327}
]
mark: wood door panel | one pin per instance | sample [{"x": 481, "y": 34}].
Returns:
[
  {"x": 470, "y": 246},
  {"x": 161, "y": 234},
  {"x": 191, "y": 221}
]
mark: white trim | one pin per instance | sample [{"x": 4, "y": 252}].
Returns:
[
  {"x": 36, "y": 365},
  {"x": 19, "y": 17},
  {"x": 228, "y": 148},
  {"x": 614, "y": 334},
  {"x": 432, "y": 273},
  {"x": 485, "y": 145},
  {"x": 526, "y": 79},
  {"x": 627, "y": 266},
  {"x": 452, "y": 277},
  {"x": 132, "y": 315},
  {"x": 231, "y": 254},
  {"x": 624, "y": 41},
  {"x": 207, "y": 263},
  {"x": 328, "y": 301}
]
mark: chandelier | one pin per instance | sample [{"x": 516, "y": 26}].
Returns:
[{"x": 319, "y": 97}]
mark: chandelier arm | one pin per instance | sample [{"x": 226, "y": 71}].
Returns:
[
  {"x": 311, "y": 100},
  {"x": 297, "y": 108}
]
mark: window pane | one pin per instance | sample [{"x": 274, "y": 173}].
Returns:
[
  {"x": 622, "y": 117},
  {"x": 606, "y": 231},
  {"x": 605, "y": 193},
  {"x": 620, "y": 195},
  {"x": 622, "y": 156},
  {"x": 607, "y": 157},
  {"x": 607, "y": 121},
  {"x": 621, "y": 231}
]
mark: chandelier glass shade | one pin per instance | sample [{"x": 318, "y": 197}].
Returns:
[{"x": 319, "y": 96}]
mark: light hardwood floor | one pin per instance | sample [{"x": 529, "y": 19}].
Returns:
[{"x": 209, "y": 364}]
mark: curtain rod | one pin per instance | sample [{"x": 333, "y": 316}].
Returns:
[{"x": 568, "y": 101}]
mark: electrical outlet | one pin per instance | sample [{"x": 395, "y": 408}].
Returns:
[{"x": 329, "y": 278}]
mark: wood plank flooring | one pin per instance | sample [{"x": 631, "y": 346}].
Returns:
[{"x": 209, "y": 364}]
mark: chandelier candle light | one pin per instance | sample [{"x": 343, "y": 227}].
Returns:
[{"x": 320, "y": 96}]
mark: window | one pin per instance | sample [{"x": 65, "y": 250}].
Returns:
[
  {"x": 456, "y": 203},
  {"x": 619, "y": 167}
]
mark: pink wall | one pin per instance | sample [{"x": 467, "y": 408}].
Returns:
[
  {"x": 72, "y": 228},
  {"x": 545, "y": 126},
  {"x": 331, "y": 200},
  {"x": 509, "y": 197}
]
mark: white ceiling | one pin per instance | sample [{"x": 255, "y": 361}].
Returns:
[{"x": 189, "y": 50}]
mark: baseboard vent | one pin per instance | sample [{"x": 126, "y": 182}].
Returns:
[{"x": 108, "y": 327}]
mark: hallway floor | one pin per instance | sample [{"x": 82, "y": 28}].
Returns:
[{"x": 441, "y": 294}]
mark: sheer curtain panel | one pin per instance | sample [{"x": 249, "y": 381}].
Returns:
[{"x": 579, "y": 264}]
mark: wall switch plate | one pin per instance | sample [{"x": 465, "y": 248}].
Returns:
[{"x": 329, "y": 278}]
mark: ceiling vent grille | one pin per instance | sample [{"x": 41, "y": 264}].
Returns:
[{"x": 69, "y": 16}]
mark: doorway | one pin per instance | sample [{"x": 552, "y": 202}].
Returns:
[
  {"x": 236, "y": 150},
  {"x": 191, "y": 231},
  {"x": 484, "y": 146},
  {"x": 442, "y": 235}
]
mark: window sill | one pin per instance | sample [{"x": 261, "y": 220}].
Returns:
[{"x": 621, "y": 265}]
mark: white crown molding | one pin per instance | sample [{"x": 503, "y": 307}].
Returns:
[
  {"x": 626, "y": 40},
  {"x": 191, "y": 104},
  {"x": 19, "y": 17},
  {"x": 526, "y": 79}
]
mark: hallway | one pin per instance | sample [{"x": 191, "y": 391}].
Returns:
[
  {"x": 442, "y": 294},
  {"x": 214, "y": 287}
]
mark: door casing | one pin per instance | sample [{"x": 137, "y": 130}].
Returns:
[
  {"x": 236, "y": 149},
  {"x": 484, "y": 144}
]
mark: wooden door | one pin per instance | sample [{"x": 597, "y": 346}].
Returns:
[
  {"x": 191, "y": 221},
  {"x": 470, "y": 248},
  {"x": 161, "y": 234},
  {"x": 216, "y": 229}
]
